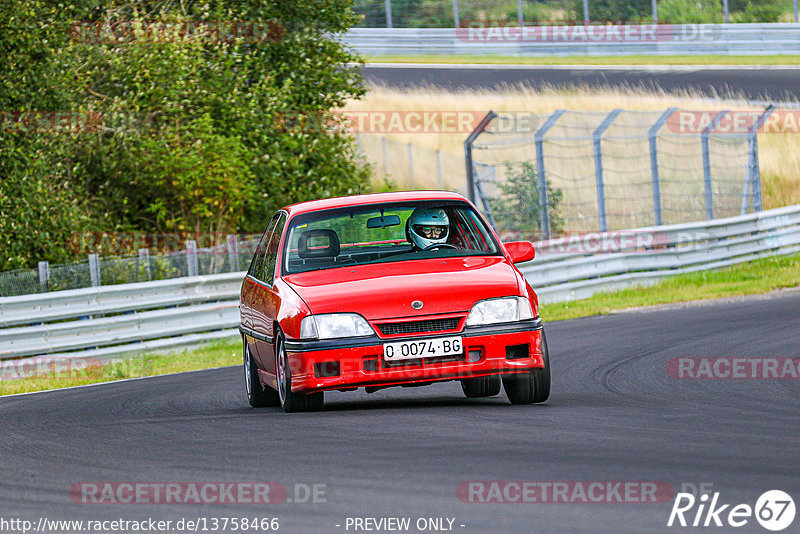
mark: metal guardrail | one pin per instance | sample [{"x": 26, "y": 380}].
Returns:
[
  {"x": 106, "y": 322},
  {"x": 675, "y": 39},
  {"x": 576, "y": 267}
]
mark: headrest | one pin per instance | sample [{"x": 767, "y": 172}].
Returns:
[{"x": 319, "y": 248}]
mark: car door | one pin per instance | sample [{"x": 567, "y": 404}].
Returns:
[{"x": 266, "y": 304}]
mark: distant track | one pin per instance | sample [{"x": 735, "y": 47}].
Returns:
[
  {"x": 769, "y": 83},
  {"x": 614, "y": 415}
]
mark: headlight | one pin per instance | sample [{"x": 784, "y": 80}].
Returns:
[
  {"x": 502, "y": 310},
  {"x": 334, "y": 325}
]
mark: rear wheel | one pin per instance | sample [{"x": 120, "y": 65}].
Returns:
[
  {"x": 533, "y": 387},
  {"x": 258, "y": 395},
  {"x": 484, "y": 386},
  {"x": 289, "y": 401}
]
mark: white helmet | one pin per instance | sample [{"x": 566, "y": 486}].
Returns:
[{"x": 428, "y": 226}]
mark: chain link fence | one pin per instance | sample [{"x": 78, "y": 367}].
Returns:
[
  {"x": 463, "y": 13},
  {"x": 232, "y": 256},
  {"x": 538, "y": 176}
]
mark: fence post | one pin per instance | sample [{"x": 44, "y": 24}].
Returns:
[
  {"x": 538, "y": 142},
  {"x": 439, "y": 168},
  {"x": 144, "y": 258},
  {"x": 388, "y": 4},
  {"x": 44, "y": 276},
  {"x": 520, "y": 15},
  {"x": 586, "y": 12},
  {"x": 410, "y": 167},
  {"x": 94, "y": 269},
  {"x": 359, "y": 148},
  {"x": 725, "y": 11},
  {"x": 232, "y": 244},
  {"x": 654, "y": 172},
  {"x": 709, "y": 193},
  {"x": 479, "y": 129},
  {"x": 455, "y": 13},
  {"x": 753, "y": 175},
  {"x": 598, "y": 167},
  {"x": 655, "y": 12},
  {"x": 191, "y": 258},
  {"x": 796, "y": 18},
  {"x": 487, "y": 208},
  {"x": 385, "y": 166}
]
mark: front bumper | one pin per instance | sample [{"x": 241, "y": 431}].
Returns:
[{"x": 349, "y": 363}]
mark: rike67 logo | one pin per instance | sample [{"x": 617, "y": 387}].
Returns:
[{"x": 774, "y": 510}]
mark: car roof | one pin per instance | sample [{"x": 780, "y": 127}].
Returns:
[{"x": 372, "y": 198}]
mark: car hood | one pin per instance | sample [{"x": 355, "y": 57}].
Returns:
[{"x": 386, "y": 290}]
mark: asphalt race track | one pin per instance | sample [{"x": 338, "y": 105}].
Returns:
[
  {"x": 615, "y": 415},
  {"x": 780, "y": 84}
]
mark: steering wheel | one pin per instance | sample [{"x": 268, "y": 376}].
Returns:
[{"x": 437, "y": 245}]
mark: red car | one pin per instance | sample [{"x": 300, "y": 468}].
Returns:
[{"x": 389, "y": 289}]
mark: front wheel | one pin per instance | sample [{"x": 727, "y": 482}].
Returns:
[
  {"x": 289, "y": 401},
  {"x": 257, "y": 395},
  {"x": 533, "y": 387},
  {"x": 484, "y": 386}
]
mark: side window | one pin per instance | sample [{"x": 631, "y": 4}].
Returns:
[
  {"x": 271, "y": 254},
  {"x": 255, "y": 264}
]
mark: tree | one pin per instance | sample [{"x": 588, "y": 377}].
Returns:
[{"x": 517, "y": 209}]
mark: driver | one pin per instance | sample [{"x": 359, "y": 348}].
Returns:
[{"x": 427, "y": 227}]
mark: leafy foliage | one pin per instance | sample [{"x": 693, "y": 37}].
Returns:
[{"x": 186, "y": 139}]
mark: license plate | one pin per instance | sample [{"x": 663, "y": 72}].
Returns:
[{"x": 422, "y": 348}]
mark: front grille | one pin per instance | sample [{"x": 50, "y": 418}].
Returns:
[{"x": 415, "y": 327}]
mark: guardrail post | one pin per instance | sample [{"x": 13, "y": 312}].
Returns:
[
  {"x": 439, "y": 168},
  {"x": 752, "y": 182},
  {"x": 598, "y": 167},
  {"x": 94, "y": 269},
  {"x": 144, "y": 261},
  {"x": 191, "y": 258},
  {"x": 541, "y": 175},
  {"x": 44, "y": 276},
  {"x": 410, "y": 166},
  {"x": 654, "y": 171},
  {"x": 232, "y": 244},
  {"x": 709, "y": 193},
  {"x": 479, "y": 129}
]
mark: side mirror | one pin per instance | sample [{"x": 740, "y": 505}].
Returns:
[{"x": 520, "y": 251}]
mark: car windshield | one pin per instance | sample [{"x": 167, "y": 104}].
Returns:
[{"x": 385, "y": 233}]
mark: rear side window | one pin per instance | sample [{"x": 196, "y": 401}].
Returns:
[
  {"x": 267, "y": 271},
  {"x": 259, "y": 254}
]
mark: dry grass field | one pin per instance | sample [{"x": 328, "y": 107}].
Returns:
[{"x": 779, "y": 153}]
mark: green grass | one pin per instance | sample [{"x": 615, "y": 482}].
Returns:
[
  {"x": 593, "y": 60},
  {"x": 217, "y": 354},
  {"x": 760, "y": 276}
]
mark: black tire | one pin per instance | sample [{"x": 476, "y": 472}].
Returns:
[
  {"x": 292, "y": 402},
  {"x": 484, "y": 386},
  {"x": 530, "y": 388},
  {"x": 258, "y": 395}
]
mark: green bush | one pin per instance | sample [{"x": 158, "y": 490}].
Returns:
[
  {"x": 198, "y": 150},
  {"x": 761, "y": 12},
  {"x": 689, "y": 12}
]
